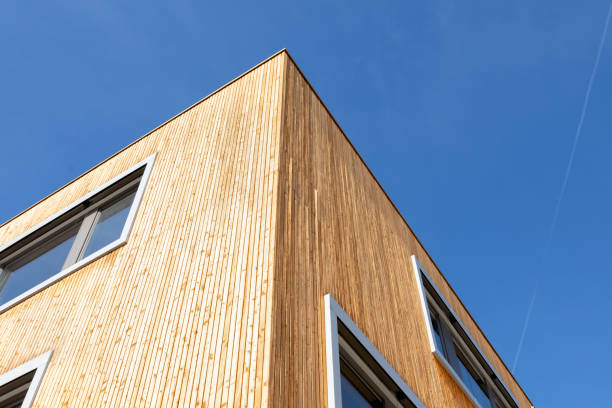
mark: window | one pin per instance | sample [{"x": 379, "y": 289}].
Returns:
[
  {"x": 456, "y": 351},
  {"x": 358, "y": 376},
  {"x": 77, "y": 235},
  {"x": 18, "y": 387}
]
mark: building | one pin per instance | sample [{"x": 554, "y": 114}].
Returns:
[{"x": 240, "y": 254}]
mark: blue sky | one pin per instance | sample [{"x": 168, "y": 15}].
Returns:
[{"x": 465, "y": 111}]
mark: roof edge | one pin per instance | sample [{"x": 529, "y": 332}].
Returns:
[
  {"x": 406, "y": 222},
  {"x": 276, "y": 54},
  {"x": 281, "y": 51}
]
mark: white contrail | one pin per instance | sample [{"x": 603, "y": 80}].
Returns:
[
  {"x": 529, "y": 309},
  {"x": 570, "y": 162},
  {"x": 580, "y": 122}
]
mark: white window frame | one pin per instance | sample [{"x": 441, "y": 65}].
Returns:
[
  {"x": 420, "y": 274},
  {"x": 127, "y": 228},
  {"x": 333, "y": 314},
  {"x": 38, "y": 364}
]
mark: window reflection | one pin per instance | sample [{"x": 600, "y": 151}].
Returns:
[
  {"x": 351, "y": 397},
  {"x": 472, "y": 381},
  {"x": 36, "y": 266},
  {"x": 109, "y": 224},
  {"x": 13, "y": 394}
]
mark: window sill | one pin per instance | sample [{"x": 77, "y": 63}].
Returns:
[{"x": 62, "y": 274}]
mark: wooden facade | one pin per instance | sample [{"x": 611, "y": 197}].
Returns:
[{"x": 257, "y": 206}]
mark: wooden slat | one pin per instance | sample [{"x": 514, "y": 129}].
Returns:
[
  {"x": 257, "y": 206},
  {"x": 339, "y": 233},
  {"x": 177, "y": 316}
]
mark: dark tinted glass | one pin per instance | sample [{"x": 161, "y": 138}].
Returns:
[
  {"x": 13, "y": 393},
  {"x": 37, "y": 266},
  {"x": 110, "y": 224},
  {"x": 435, "y": 324}
]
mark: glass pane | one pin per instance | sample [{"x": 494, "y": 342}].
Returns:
[
  {"x": 351, "y": 397},
  {"x": 496, "y": 403},
  {"x": 110, "y": 224},
  {"x": 471, "y": 382},
  {"x": 39, "y": 264},
  {"x": 13, "y": 393}
]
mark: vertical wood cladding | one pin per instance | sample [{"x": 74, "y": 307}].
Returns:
[
  {"x": 257, "y": 206},
  {"x": 338, "y": 233},
  {"x": 176, "y": 317}
]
